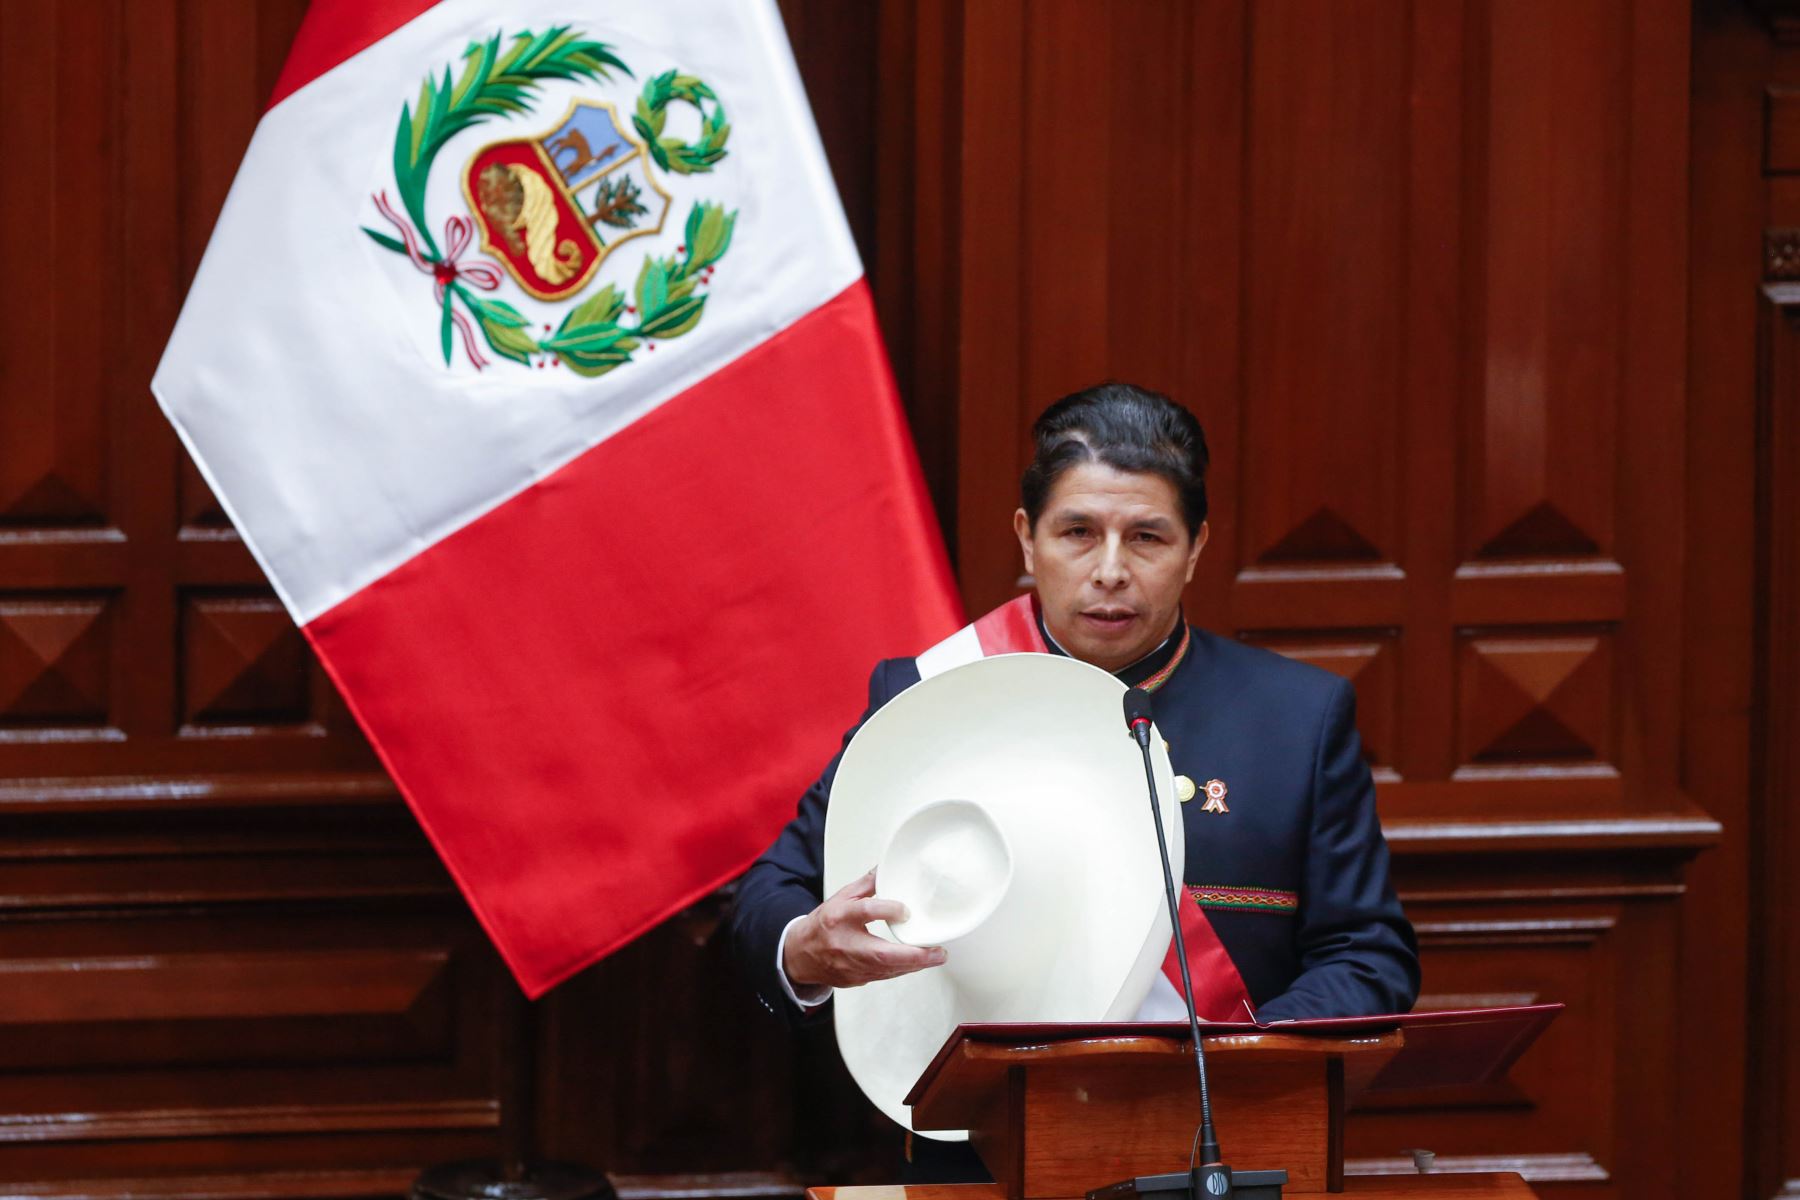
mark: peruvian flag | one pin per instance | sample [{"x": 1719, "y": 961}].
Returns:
[{"x": 533, "y": 360}]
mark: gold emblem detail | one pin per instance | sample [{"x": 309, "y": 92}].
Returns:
[
  {"x": 1184, "y": 788},
  {"x": 513, "y": 199}
]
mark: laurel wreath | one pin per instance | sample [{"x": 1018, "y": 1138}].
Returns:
[
  {"x": 493, "y": 82},
  {"x": 591, "y": 338},
  {"x": 673, "y": 154}
]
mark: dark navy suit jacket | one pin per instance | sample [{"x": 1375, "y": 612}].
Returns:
[{"x": 1282, "y": 737}]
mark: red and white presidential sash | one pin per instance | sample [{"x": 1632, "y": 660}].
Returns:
[{"x": 1219, "y": 992}]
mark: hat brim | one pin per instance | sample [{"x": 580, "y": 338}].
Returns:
[{"x": 1040, "y": 742}]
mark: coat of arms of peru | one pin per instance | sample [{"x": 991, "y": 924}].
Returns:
[{"x": 550, "y": 207}]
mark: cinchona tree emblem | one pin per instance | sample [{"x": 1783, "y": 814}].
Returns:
[{"x": 550, "y": 207}]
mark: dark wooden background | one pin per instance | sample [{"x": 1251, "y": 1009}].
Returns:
[{"x": 1492, "y": 311}]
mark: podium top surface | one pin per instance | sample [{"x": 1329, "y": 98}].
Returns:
[
  {"x": 1384, "y": 1187},
  {"x": 1433, "y": 1049}
]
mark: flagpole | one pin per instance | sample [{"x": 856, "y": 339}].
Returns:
[{"x": 515, "y": 1175}]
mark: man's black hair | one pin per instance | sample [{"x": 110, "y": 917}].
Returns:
[{"x": 1128, "y": 429}]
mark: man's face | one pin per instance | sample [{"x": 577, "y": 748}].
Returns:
[{"x": 1111, "y": 554}]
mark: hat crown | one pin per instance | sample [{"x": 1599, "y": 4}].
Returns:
[{"x": 950, "y": 864}]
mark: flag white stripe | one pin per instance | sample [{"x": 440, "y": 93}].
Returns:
[{"x": 362, "y": 449}]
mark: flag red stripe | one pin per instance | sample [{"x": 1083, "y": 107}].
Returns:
[
  {"x": 334, "y": 31},
  {"x": 750, "y": 548}
]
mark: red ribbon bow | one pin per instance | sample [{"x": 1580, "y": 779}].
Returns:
[{"x": 459, "y": 231}]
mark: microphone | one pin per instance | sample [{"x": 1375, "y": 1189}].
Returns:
[
  {"x": 1211, "y": 1180},
  {"x": 1137, "y": 719}
]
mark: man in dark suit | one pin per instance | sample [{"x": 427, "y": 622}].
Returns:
[{"x": 1284, "y": 851}]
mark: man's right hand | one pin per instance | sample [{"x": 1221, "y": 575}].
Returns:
[{"x": 832, "y": 947}]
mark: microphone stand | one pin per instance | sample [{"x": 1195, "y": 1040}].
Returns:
[{"x": 1211, "y": 1179}]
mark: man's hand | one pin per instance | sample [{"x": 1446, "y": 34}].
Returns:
[{"x": 830, "y": 946}]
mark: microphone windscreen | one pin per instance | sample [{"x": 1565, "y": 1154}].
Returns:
[{"x": 1137, "y": 706}]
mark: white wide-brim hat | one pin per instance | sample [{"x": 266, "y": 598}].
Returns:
[{"x": 1004, "y": 803}]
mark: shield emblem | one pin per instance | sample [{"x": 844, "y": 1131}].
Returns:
[{"x": 551, "y": 208}]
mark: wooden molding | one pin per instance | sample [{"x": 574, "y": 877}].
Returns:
[
  {"x": 1774, "y": 934},
  {"x": 364, "y": 1184},
  {"x": 719, "y": 1185},
  {"x": 1536, "y": 1168},
  {"x": 241, "y": 985},
  {"x": 296, "y": 1119},
  {"x": 1686, "y": 832},
  {"x": 126, "y": 793},
  {"x": 1507, "y": 893},
  {"x": 1576, "y": 931}
]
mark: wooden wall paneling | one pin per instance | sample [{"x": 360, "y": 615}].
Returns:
[
  {"x": 1536, "y": 695},
  {"x": 1418, "y": 325},
  {"x": 56, "y": 473},
  {"x": 993, "y": 410},
  {"x": 1443, "y": 172},
  {"x": 1775, "y": 930},
  {"x": 1327, "y": 143},
  {"x": 1141, "y": 307},
  {"x": 687, "y": 1078},
  {"x": 56, "y": 660},
  {"x": 260, "y": 986},
  {"x": 1653, "y": 381},
  {"x": 1774, "y": 1098},
  {"x": 1578, "y": 924},
  {"x": 231, "y": 960},
  {"x": 1731, "y": 64},
  {"x": 145, "y": 162},
  {"x": 1074, "y": 172},
  {"x": 918, "y": 70},
  {"x": 1552, "y": 1113},
  {"x": 165, "y": 124},
  {"x": 1538, "y": 482},
  {"x": 1326, "y": 183},
  {"x": 687, "y": 1088},
  {"x": 837, "y": 45},
  {"x": 1210, "y": 367},
  {"x": 1348, "y": 131},
  {"x": 1537, "y": 478},
  {"x": 1353, "y": 244}
]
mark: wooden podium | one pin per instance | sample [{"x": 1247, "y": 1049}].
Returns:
[{"x": 1057, "y": 1110}]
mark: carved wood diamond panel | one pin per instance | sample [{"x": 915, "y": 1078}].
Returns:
[
  {"x": 1326, "y": 127},
  {"x": 1540, "y": 470},
  {"x": 1325, "y": 536},
  {"x": 47, "y": 484},
  {"x": 1536, "y": 697},
  {"x": 55, "y": 660},
  {"x": 243, "y": 661},
  {"x": 58, "y": 347},
  {"x": 200, "y": 509}
]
